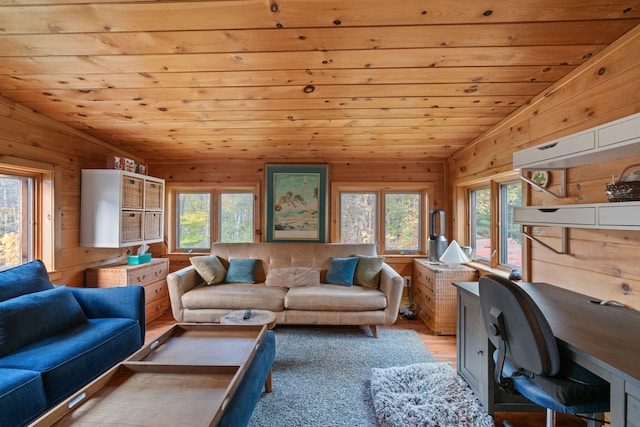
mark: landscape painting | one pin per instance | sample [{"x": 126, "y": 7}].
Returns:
[{"x": 296, "y": 203}]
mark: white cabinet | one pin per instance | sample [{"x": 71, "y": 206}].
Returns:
[
  {"x": 612, "y": 140},
  {"x": 120, "y": 209},
  {"x": 623, "y": 216}
]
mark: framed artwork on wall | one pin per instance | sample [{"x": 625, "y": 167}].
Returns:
[{"x": 296, "y": 203}]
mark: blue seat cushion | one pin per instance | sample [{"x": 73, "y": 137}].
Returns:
[
  {"x": 246, "y": 397},
  {"x": 24, "y": 279},
  {"x": 21, "y": 397},
  {"x": 69, "y": 360},
  {"x": 564, "y": 395}
]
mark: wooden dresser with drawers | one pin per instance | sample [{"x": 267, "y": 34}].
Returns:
[{"x": 152, "y": 275}]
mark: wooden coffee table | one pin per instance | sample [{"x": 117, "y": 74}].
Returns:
[
  {"x": 257, "y": 317},
  {"x": 185, "y": 377}
]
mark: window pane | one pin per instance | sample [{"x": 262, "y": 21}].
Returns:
[
  {"x": 236, "y": 217},
  {"x": 358, "y": 217},
  {"x": 15, "y": 221},
  {"x": 402, "y": 221},
  {"x": 510, "y": 235},
  {"x": 194, "y": 219},
  {"x": 480, "y": 205}
]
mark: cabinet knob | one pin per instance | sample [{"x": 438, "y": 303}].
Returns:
[{"x": 480, "y": 352}]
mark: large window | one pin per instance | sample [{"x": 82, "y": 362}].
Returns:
[
  {"x": 494, "y": 237},
  {"x": 27, "y": 219},
  {"x": 391, "y": 215},
  {"x": 208, "y": 214}
]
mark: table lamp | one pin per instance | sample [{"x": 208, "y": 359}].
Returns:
[{"x": 454, "y": 255}]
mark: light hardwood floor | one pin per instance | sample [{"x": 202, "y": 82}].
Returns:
[{"x": 443, "y": 349}]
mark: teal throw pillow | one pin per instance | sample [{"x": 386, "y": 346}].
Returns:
[
  {"x": 242, "y": 270},
  {"x": 368, "y": 271},
  {"x": 209, "y": 268},
  {"x": 341, "y": 271}
]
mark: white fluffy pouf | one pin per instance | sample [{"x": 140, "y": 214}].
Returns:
[{"x": 425, "y": 394}]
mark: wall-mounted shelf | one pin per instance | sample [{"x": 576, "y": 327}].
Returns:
[
  {"x": 120, "y": 209},
  {"x": 610, "y": 141},
  {"x": 620, "y": 216}
]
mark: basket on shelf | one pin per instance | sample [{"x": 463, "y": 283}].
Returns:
[{"x": 623, "y": 190}]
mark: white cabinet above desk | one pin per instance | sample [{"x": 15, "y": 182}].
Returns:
[
  {"x": 621, "y": 216},
  {"x": 617, "y": 139}
]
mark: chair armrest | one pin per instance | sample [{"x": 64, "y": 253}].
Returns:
[
  {"x": 392, "y": 285},
  {"x": 180, "y": 282},
  {"x": 125, "y": 302}
]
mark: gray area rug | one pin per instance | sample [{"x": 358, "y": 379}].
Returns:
[
  {"x": 425, "y": 394},
  {"x": 321, "y": 376}
]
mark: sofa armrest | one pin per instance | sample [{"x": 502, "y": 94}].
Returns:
[
  {"x": 125, "y": 302},
  {"x": 179, "y": 283},
  {"x": 392, "y": 284}
]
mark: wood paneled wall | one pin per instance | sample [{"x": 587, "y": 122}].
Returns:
[
  {"x": 25, "y": 134},
  {"x": 601, "y": 263}
]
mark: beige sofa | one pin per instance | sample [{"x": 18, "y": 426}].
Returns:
[{"x": 192, "y": 300}]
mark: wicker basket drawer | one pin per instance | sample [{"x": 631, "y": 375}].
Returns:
[
  {"x": 152, "y": 225},
  {"x": 153, "y": 195},
  {"x": 131, "y": 226},
  {"x": 131, "y": 192},
  {"x": 424, "y": 275}
]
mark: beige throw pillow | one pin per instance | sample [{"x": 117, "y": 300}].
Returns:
[
  {"x": 292, "y": 277},
  {"x": 209, "y": 268},
  {"x": 368, "y": 271}
]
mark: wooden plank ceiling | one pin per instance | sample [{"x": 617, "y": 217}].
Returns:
[{"x": 294, "y": 80}]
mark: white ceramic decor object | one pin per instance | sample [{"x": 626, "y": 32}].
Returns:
[{"x": 454, "y": 255}]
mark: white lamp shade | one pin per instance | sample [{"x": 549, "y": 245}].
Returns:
[{"x": 454, "y": 256}]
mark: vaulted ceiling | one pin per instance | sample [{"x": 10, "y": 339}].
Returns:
[{"x": 299, "y": 80}]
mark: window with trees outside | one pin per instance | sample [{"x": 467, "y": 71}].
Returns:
[
  {"x": 493, "y": 235},
  {"x": 208, "y": 214},
  {"x": 26, "y": 214},
  {"x": 391, "y": 216}
]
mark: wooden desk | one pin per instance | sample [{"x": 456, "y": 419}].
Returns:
[{"x": 603, "y": 339}]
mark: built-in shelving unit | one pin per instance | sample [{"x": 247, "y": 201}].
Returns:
[
  {"x": 612, "y": 140},
  {"x": 120, "y": 209}
]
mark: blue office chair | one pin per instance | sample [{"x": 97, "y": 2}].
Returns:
[{"x": 527, "y": 360}]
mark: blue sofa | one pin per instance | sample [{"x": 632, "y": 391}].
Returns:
[{"x": 54, "y": 339}]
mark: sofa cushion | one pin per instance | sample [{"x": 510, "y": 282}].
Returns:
[
  {"x": 335, "y": 298},
  {"x": 21, "y": 396},
  {"x": 24, "y": 279},
  {"x": 209, "y": 268},
  {"x": 69, "y": 360},
  {"x": 368, "y": 271},
  {"x": 236, "y": 296},
  {"x": 293, "y": 276},
  {"x": 31, "y": 317},
  {"x": 242, "y": 270},
  {"x": 341, "y": 271}
]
